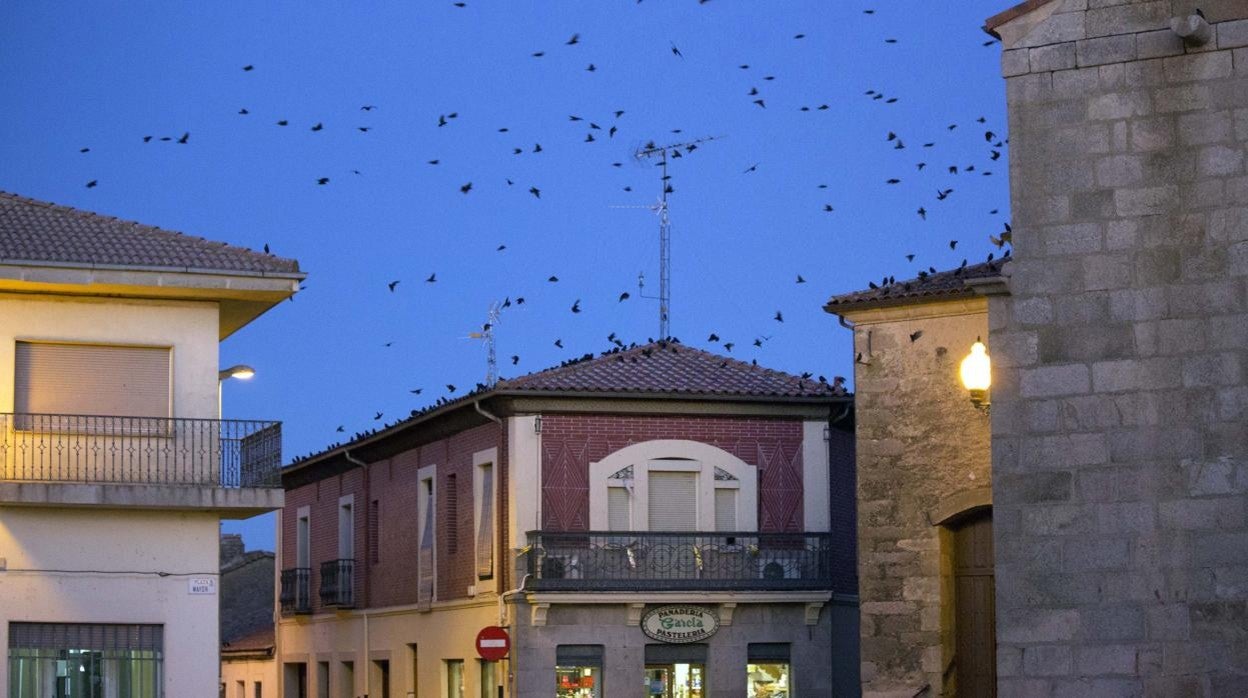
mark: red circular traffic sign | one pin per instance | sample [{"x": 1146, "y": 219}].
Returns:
[{"x": 493, "y": 643}]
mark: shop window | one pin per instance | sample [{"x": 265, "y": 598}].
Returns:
[
  {"x": 768, "y": 671},
  {"x": 75, "y": 659},
  {"x": 676, "y": 670},
  {"x": 489, "y": 678},
  {"x": 454, "y": 678},
  {"x": 578, "y": 671}
]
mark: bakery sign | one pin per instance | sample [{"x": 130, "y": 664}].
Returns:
[{"x": 679, "y": 624}]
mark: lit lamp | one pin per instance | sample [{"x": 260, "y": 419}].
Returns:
[
  {"x": 977, "y": 374},
  {"x": 240, "y": 371}
]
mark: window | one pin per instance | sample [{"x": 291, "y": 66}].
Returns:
[
  {"x": 484, "y": 515},
  {"x": 424, "y": 589},
  {"x": 452, "y": 515},
  {"x": 91, "y": 379},
  {"x": 346, "y": 679},
  {"x": 673, "y": 485},
  {"x": 489, "y": 678},
  {"x": 240, "y": 689},
  {"x": 725, "y": 509},
  {"x": 322, "y": 680},
  {"x": 346, "y": 527},
  {"x": 259, "y": 692},
  {"x": 303, "y": 541},
  {"x": 578, "y": 671},
  {"x": 454, "y": 678},
  {"x": 70, "y": 659},
  {"x": 673, "y": 501},
  {"x": 768, "y": 670}
]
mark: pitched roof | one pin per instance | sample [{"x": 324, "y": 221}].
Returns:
[
  {"x": 662, "y": 369},
  {"x": 939, "y": 286},
  {"x": 668, "y": 368},
  {"x": 259, "y": 640},
  {"x": 34, "y": 231}
]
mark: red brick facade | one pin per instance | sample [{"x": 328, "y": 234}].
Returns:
[
  {"x": 386, "y": 494},
  {"x": 570, "y": 442},
  {"x": 388, "y": 576}
]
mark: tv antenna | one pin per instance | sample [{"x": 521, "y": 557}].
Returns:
[
  {"x": 487, "y": 334},
  {"x": 647, "y": 151}
]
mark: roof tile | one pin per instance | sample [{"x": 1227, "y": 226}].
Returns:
[
  {"x": 942, "y": 284},
  {"x": 38, "y": 231}
]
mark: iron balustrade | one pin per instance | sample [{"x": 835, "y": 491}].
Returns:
[
  {"x": 295, "y": 594},
  {"x": 143, "y": 450},
  {"x": 338, "y": 583},
  {"x": 654, "y": 560}
]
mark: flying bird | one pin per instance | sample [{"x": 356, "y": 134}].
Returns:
[
  {"x": 576, "y": 39},
  {"x": 576, "y": 307},
  {"x": 318, "y": 127},
  {"x": 537, "y": 193},
  {"x": 676, "y": 52},
  {"x": 248, "y": 68},
  {"x": 779, "y": 317},
  {"x": 392, "y": 284},
  {"x": 185, "y": 137},
  {"x": 432, "y": 278},
  {"x": 466, "y": 188},
  {"x": 623, "y": 297},
  {"x": 92, "y": 184}
]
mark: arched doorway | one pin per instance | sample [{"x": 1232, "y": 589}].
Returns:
[{"x": 974, "y": 605}]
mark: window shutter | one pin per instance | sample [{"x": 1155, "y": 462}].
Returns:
[
  {"x": 485, "y": 525},
  {"x": 725, "y": 509},
  {"x": 673, "y": 501},
  {"x": 617, "y": 509},
  {"x": 452, "y": 515},
  {"x": 92, "y": 380},
  {"x": 374, "y": 532}
]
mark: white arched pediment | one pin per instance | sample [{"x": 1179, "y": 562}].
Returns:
[{"x": 630, "y": 466}]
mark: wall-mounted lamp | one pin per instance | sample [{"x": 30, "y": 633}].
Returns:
[
  {"x": 240, "y": 371},
  {"x": 977, "y": 374}
]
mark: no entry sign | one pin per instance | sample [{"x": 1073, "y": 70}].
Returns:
[{"x": 493, "y": 643}]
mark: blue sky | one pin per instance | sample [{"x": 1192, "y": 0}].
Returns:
[{"x": 104, "y": 75}]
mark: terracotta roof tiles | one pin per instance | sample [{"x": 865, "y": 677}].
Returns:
[
  {"x": 34, "y": 231},
  {"x": 937, "y": 286}
]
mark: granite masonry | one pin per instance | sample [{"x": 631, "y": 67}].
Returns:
[{"x": 1120, "y": 396}]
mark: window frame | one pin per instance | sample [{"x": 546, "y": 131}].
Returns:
[
  {"x": 480, "y": 461},
  {"x": 673, "y": 455}
]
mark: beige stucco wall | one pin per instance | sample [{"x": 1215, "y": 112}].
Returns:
[
  {"x": 923, "y": 453},
  {"x": 190, "y": 328},
  {"x": 447, "y": 632},
  {"x": 124, "y": 549},
  {"x": 250, "y": 672}
]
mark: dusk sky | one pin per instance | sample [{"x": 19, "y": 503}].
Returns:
[{"x": 748, "y": 211}]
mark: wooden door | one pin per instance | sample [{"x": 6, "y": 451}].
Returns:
[{"x": 975, "y": 607}]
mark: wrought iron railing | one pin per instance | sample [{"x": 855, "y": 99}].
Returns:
[
  {"x": 338, "y": 583},
  {"x": 645, "y": 560},
  {"x": 295, "y": 594},
  {"x": 145, "y": 450}
]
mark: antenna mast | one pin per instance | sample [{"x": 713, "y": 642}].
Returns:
[
  {"x": 487, "y": 334},
  {"x": 665, "y": 228}
]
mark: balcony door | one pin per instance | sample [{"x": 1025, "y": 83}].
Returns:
[{"x": 673, "y": 504}]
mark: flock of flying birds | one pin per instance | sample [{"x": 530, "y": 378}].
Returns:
[{"x": 994, "y": 145}]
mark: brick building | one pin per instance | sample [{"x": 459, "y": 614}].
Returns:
[{"x": 583, "y": 508}]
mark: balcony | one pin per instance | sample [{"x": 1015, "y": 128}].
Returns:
[
  {"x": 296, "y": 590},
  {"x": 338, "y": 583},
  {"x": 651, "y": 561},
  {"x": 81, "y": 460}
]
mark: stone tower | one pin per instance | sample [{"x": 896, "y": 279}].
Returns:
[{"x": 1120, "y": 396}]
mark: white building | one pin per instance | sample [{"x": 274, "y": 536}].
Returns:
[{"x": 115, "y": 465}]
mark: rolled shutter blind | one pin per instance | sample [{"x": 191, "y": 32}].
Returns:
[
  {"x": 485, "y": 525},
  {"x": 91, "y": 379},
  {"x": 617, "y": 509},
  {"x": 725, "y": 509},
  {"x": 673, "y": 501}
]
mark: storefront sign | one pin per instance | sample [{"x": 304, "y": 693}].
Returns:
[
  {"x": 679, "y": 624},
  {"x": 493, "y": 643}
]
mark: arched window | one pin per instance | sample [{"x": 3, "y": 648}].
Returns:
[{"x": 673, "y": 485}]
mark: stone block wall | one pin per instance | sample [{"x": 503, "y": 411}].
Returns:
[
  {"x": 923, "y": 454},
  {"x": 1120, "y": 403}
]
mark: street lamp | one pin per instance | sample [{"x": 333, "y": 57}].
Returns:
[
  {"x": 976, "y": 374},
  {"x": 241, "y": 371}
]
